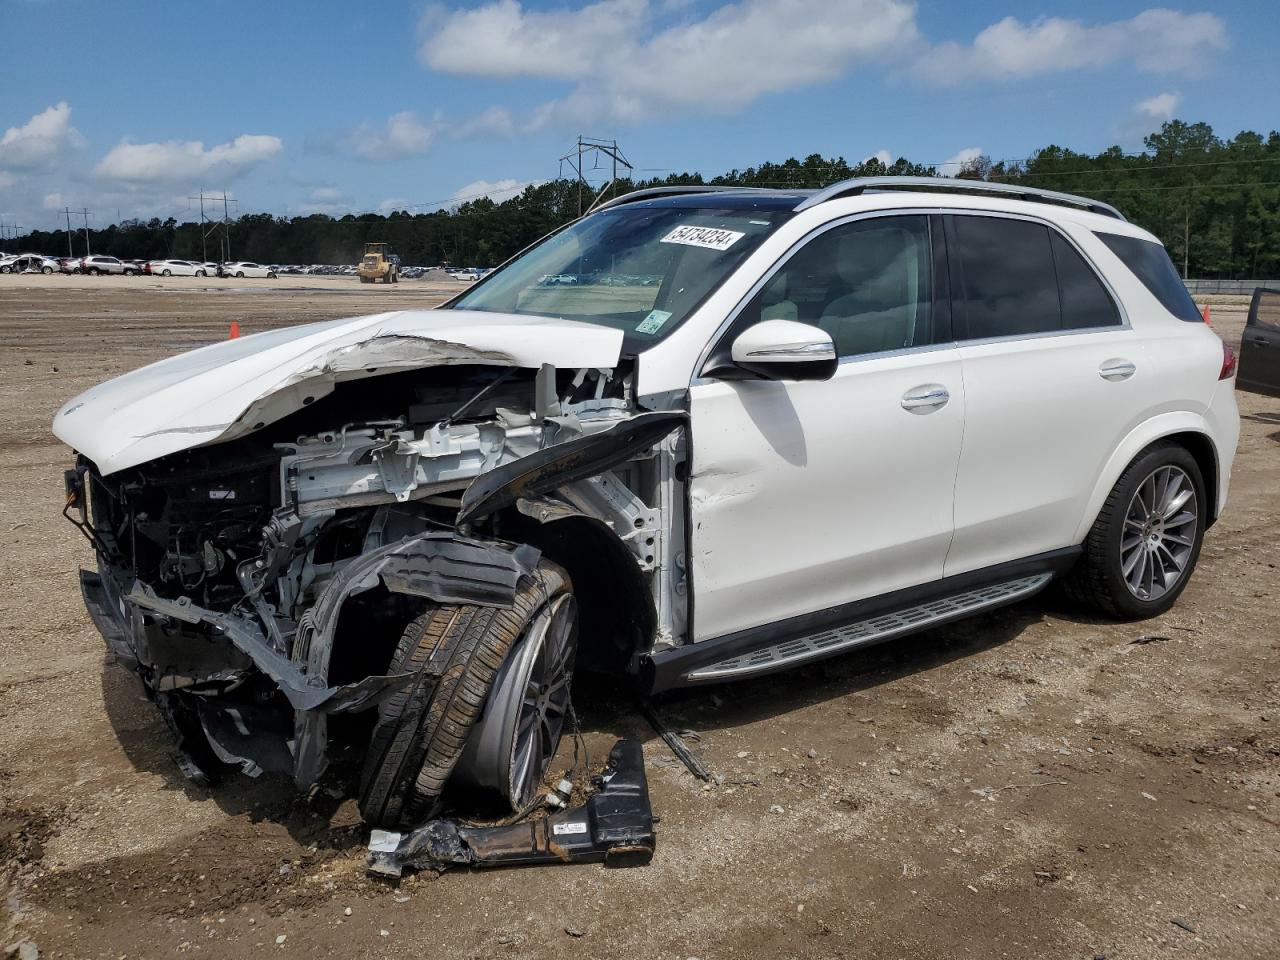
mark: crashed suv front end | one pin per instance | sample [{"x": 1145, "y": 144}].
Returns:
[{"x": 256, "y": 583}]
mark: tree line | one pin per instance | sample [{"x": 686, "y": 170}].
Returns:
[{"x": 1214, "y": 203}]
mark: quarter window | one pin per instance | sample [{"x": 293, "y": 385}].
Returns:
[
  {"x": 1150, "y": 263},
  {"x": 867, "y": 283}
]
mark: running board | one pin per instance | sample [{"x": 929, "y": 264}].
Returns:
[{"x": 885, "y": 626}]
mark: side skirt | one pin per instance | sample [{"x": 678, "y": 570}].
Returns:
[{"x": 825, "y": 633}]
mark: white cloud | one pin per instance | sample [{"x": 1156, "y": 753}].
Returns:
[
  {"x": 959, "y": 160},
  {"x": 53, "y": 201},
  {"x": 327, "y": 200},
  {"x": 884, "y": 156},
  {"x": 502, "y": 39},
  {"x": 392, "y": 205},
  {"x": 1156, "y": 41},
  {"x": 1160, "y": 107},
  {"x": 186, "y": 162},
  {"x": 44, "y": 138},
  {"x": 497, "y": 191},
  {"x": 628, "y": 68},
  {"x": 403, "y": 134}
]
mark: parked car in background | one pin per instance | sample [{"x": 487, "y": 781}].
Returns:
[
  {"x": 1260, "y": 345},
  {"x": 28, "y": 263},
  {"x": 98, "y": 264},
  {"x": 245, "y": 268},
  {"x": 69, "y": 265},
  {"x": 212, "y": 269},
  {"x": 177, "y": 268}
]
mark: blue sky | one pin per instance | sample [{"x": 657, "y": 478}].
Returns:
[{"x": 129, "y": 107}]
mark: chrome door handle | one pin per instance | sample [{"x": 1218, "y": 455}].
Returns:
[
  {"x": 1116, "y": 370},
  {"x": 925, "y": 398}
]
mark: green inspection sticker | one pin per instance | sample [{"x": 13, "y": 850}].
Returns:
[{"x": 654, "y": 321}]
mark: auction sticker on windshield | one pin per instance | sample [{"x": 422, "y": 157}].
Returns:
[{"x": 710, "y": 237}]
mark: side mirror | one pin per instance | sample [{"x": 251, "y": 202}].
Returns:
[{"x": 786, "y": 350}]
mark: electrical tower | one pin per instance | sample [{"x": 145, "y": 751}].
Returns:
[
  {"x": 7, "y": 230},
  {"x": 223, "y": 225},
  {"x": 595, "y": 148}
]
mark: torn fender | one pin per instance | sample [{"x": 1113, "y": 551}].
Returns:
[{"x": 554, "y": 466}]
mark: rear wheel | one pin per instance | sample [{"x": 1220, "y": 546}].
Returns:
[
  {"x": 166, "y": 273},
  {"x": 459, "y": 653},
  {"x": 201, "y": 273},
  {"x": 1144, "y": 545}
]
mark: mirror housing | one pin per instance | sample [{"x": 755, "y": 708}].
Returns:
[{"x": 785, "y": 350}]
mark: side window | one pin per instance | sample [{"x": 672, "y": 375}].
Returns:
[
  {"x": 1007, "y": 283},
  {"x": 1150, "y": 263},
  {"x": 1085, "y": 301},
  {"x": 867, "y": 283},
  {"x": 1264, "y": 311}
]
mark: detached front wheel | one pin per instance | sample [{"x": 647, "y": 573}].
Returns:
[{"x": 489, "y": 697}]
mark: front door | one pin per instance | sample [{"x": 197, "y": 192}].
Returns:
[
  {"x": 805, "y": 496},
  {"x": 1260, "y": 347}
]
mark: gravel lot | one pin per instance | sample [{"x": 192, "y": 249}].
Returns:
[{"x": 1033, "y": 783}]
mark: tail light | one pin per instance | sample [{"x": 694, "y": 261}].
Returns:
[{"x": 1228, "y": 362}]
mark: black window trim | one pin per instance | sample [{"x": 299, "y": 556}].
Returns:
[{"x": 960, "y": 321}]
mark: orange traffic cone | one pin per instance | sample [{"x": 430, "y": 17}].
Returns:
[
  {"x": 235, "y": 329},
  {"x": 1204, "y": 315}
]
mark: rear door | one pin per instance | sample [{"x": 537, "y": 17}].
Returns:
[
  {"x": 1259, "y": 370},
  {"x": 1053, "y": 376}
]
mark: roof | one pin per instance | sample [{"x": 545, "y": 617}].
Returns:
[{"x": 731, "y": 197}]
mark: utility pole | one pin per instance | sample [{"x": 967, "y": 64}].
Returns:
[
  {"x": 594, "y": 146},
  {"x": 78, "y": 213},
  {"x": 70, "y": 253},
  {"x": 3, "y": 234},
  {"x": 224, "y": 241}
]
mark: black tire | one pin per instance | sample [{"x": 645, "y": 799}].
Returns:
[
  {"x": 239, "y": 274},
  {"x": 46, "y": 270},
  {"x": 455, "y": 650},
  {"x": 166, "y": 273},
  {"x": 1098, "y": 580},
  {"x": 271, "y": 276},
  {"x": 4, "y": 269},
  {"x": 201, "y": 273}
]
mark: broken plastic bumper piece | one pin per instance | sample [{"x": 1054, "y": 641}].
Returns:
[{"x": 614, "y": 827}]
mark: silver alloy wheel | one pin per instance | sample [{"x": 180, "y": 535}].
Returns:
[
  {"x": 511, "y": 745},
  {"x": 1159, "y": 533}
]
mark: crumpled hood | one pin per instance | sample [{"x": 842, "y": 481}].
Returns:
[{"x": 231, "y": 388}]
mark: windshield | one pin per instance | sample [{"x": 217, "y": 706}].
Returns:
[{"x": 641, "y": 269}]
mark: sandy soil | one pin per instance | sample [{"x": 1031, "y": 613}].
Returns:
[{"x": 1033, "y": 783}]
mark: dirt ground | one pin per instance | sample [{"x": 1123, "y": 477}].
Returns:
[{"x": 1032, "y": 783}]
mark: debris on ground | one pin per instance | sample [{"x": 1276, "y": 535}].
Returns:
[
  {"x": 674, "y": 741},
  {"x": 614, "y": 826}
]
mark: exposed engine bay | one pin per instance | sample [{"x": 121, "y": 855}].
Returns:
[{"x": 259, "y": 585}]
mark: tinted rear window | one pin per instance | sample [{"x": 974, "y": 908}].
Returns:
[{"x": 1150, "y": 263}]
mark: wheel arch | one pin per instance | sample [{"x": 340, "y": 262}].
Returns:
[
  {"x": 1188, "y": 430},
  {"x": 616, "y": 614}
]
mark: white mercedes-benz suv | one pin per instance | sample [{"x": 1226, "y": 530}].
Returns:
[{"x": 756, "y": 429}]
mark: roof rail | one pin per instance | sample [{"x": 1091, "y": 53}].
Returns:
[
  {"x": 649, "y": 193},
  {"x": 857, "y": 185}
]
